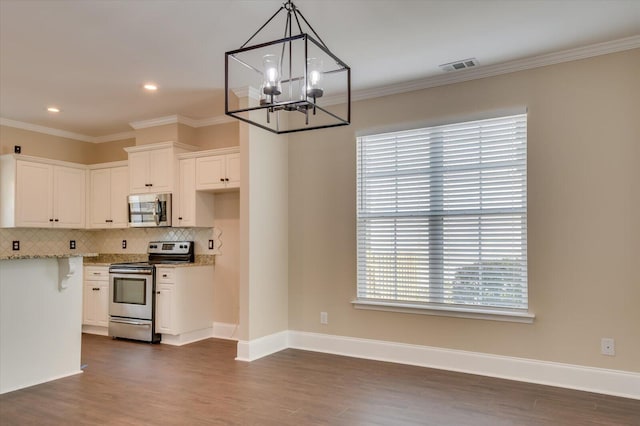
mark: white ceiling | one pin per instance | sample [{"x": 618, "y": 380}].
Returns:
[{"x": 91, "y": 57}]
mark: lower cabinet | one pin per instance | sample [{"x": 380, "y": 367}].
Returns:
[
  {"x": 184, "y": 301},
  {"x": 95, "y": 299}
]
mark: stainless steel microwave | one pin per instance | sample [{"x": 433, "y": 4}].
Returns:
[{"x": 149, "y": 210}]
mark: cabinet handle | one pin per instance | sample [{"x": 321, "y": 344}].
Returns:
[
  {"x": 221, "y": 179},
  {"x": 96, "y": 273},
  {"x": 50, "y": 220},
  {"x": 158, "y": 292},
  {"x": 179, "y": 218},
  {"x": 148, "y": 184},
  {"x": 226, "y": 179},
  {"x": 164, "y": 275},
  {"x": 96, "y": 289},
  {"x": 109, "y": 220}
]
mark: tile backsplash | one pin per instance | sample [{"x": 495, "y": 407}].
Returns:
[{"x": 37, "y": 241}]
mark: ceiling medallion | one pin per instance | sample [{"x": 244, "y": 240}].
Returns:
[{"x": 290, "y": 84}]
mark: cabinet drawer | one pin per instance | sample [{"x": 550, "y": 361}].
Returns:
[
  {"x": 96, "y": 273},
  {"x": 165, "y": 276}
]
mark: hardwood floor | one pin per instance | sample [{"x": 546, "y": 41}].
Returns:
[{"x": 129, "y": 383}]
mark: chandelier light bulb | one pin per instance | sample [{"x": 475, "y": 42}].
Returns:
[
  {"x": 314, "y": 78},
  {"x": 271, "y": 84}
]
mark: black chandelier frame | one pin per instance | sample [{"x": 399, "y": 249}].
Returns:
[{"x": 305, "y": 105}]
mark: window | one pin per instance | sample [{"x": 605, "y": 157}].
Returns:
[{"x": 442, "y": 218}]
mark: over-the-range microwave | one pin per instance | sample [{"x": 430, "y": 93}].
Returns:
[{"x": 149, "y": 210}]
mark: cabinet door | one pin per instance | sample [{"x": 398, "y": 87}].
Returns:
[
  {"x": 138, "y": 172},
  {"x": 34, "y": 194},
  {"x": 233, "y": 171},
  {"x": 68, "y": 197},
  {"x": 101, "y": 304},
  {"x": 119, "y": 192},
  {"x": 161, "y": 170},
  {"x": 187, "y": 192},
  {"x": 165, "y": 309},
  {"x": 88, "y": 311},
  {"x": 95, "y": 303},
  {"x": 210, "y": 172},
  {"x": 99, "y": 202}
]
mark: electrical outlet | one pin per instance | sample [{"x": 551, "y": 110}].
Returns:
[
  {"x": 210, "y": 244},
  {"x": 72, "y": 244},
  {"x": 607, "y": 346},
  {"x": 17, "y": 149},
  {"x": 124, "y": 244},
  {"x": 324, "y": 318},
  {"x": 16, "y": 245}
]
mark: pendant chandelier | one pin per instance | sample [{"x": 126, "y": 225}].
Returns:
[{"x": 291, "y": 84}]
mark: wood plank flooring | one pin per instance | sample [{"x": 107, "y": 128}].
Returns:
[{"x": 129, "y": 383}]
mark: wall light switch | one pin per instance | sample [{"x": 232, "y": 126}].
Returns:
[{"x": 210, "y": 244}]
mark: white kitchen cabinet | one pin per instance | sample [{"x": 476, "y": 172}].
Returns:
[
  {"x": 151, "y": 171},
  {"x": 42, "y": 193},
  {"x": 184, "y": 300},
  {"x": 95, "y": 299},
  {"x": 108, "y": 190},
  {"x": 216, "y": 172},
  {"x": 153, "y": 167},
  {"x": 194, "y": 208}
]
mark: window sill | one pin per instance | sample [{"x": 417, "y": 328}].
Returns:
[{"x": 447, "y": 311}]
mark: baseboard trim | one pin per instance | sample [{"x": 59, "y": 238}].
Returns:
[
  {"x": 94, "y": 329},
  {"x": 186, "y": 338},
  {"x": 590, "y": 379},
  {"x": 255, "y": 349},
  {"x": 223, "y": 330}
]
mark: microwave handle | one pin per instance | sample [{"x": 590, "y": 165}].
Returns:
[{"x": 156, "y": 211}]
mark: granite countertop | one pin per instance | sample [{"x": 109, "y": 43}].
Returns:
[
  {"x": 106, "y": 259},
  {"x": 46, "y": 256}
]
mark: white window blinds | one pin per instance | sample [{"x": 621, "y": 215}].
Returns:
[{"x": 442, "y": 215}]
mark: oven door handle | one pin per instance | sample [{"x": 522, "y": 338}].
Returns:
[
  {"x": 129, "y": 322},
  {"x": 130, "y": 271}
]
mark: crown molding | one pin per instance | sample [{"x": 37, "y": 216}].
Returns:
[
  {"x": 47, "y": 130},
  {"x": 114, "y": 137},
  {"x": 181, "y": 119},
  {"x": 484, "y": 71},
  {"x": 63, "y": 133},
  {"x": 153, "y": 122}
]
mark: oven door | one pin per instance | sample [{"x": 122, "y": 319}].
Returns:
[{"x": 131, "y": 294}]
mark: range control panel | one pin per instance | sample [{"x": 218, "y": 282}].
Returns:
[{"x": 170, "y": 247}]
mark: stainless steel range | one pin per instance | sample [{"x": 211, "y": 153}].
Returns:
[{"x": 132, "y": 289}]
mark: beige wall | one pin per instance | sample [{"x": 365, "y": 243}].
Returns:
[
  {"x": 226, "y": 278},
  {"x": 263, "y": 233},
  {"x": 164, "y": 133},
  {"x": 218, "y": 136},
  {"x": 110, "y": 151},
  {"x": 43, "y": 145},
  {"x": 583, "y": 219}
]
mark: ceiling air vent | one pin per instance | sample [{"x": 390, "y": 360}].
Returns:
[{"x": 460, "y": 65}]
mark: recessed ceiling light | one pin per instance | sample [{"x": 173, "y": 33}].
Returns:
[
  {"x": 53, "y": 109},
  {"x": 150, "y": 87}
]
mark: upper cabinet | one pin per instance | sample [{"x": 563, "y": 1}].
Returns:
[
  {"x": 218, "y": 170},
  {"x": 192, "y": 208},
  {"x": 42, "y": 193},
  {"x": 153, "y": 168},
  {"x": 108, "y": 190}
]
